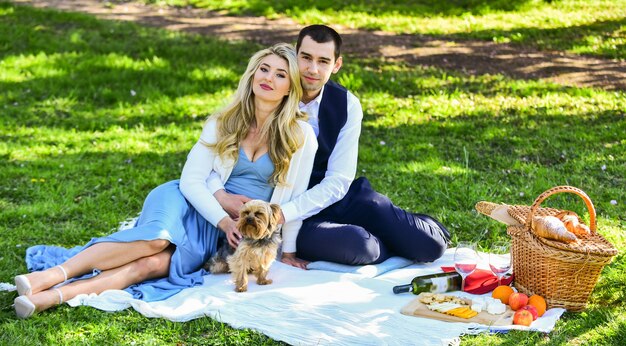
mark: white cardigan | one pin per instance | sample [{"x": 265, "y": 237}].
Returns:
[{"x": 201, "y": 161}]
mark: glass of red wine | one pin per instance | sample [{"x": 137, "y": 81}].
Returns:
[
  {"x": 500, "y": 259},
  {"x": 465, "y": 260}
]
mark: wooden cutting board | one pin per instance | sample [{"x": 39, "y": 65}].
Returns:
[{"x": 419, "y": 309}]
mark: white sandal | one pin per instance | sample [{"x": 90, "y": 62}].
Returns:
[
  {"x": 23, "y": 284},
  {"x": 24, "y": 307},
  {"x": 64, "y": 272},
  {"x": 58, "y": 290}
]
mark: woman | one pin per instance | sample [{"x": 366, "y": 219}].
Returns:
[{"x": 260, "y": 146}]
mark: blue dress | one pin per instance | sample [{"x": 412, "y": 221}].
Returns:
[{"x": 166, "y": 214}]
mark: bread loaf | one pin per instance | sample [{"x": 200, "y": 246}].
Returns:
[
  {"x": 551, "y": 227},
  {"x": 573, "y": 223}
]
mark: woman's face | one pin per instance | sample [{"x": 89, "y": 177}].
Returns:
[{"x": 271, "y": 80}]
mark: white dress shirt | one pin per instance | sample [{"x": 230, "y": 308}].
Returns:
[{"x": 341, "y": 169}]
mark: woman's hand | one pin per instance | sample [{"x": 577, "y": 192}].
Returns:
[
  {"x": 291, "y": 259},
  {"x": 229, "y": 226},
  {"x": 230, "y": 202}
]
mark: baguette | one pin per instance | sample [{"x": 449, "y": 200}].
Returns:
[
  {"x": 551, "y": 227},
  {"x": 573, "y": 223}
]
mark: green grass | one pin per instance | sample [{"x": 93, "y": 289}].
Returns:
[
  {"x": 94, "y": 114},
  {"x": 591, "y": 27}
]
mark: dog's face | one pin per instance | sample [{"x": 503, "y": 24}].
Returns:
[{"x": 258, "y": 219}]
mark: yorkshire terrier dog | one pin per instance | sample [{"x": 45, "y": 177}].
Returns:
[{"x": 258, "y": 224}]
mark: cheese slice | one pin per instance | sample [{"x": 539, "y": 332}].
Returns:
[
  {"x": 443, "y": 307},
  {"x": 477, "y": 307},
  {"x": 462, "y": 312},
  {"x": 496, "y": 308}
]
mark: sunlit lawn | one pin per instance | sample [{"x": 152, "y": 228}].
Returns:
[
  {"x": 94, "y": 114},
  {"x": 593, "y": 27}
]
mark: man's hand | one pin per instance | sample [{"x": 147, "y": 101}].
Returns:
[
  {"x": 230, "y": 202},
  {"x": 291, "y": 259},
  {"x": 229, "y": 226}
]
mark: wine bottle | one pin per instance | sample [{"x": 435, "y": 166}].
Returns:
[{"x": 435, "y": 283}]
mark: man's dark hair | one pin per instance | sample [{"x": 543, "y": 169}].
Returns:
[{"x": 321, "y": 34}]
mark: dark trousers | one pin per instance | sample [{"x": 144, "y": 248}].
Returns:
[{"x": 365, "y": 227}]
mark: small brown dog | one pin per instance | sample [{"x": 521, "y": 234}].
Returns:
[{"x": 258, "y": 224}]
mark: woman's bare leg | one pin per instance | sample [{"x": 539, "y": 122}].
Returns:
[
  {"x": 104, "y": 256},
  {"x": 142, "y": 269}
]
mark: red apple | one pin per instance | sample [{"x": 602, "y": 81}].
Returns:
[
  {"x": 518, "y": 300},
  {"x": 523, "y": 317},
  {"x": 532, "y": 309}
]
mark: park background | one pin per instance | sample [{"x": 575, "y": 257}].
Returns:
[{"x": 96, "y": 112}]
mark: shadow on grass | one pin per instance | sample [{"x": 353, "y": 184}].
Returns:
[
  {"x": 478, "y": 58},
  {"x": 415, "y": 8},
  {"x": 370, "y": 75},
  {"x": 67, "y": 199},
  {"x": 443, "y": 167},
  {"x": 87, "y": 69},
  {"x": 75, "y": 179},
  {"x": 87, "y": 325},
  {"x": 589, "y": 39},
  {"x": 571, "y": 38},
  {"x": 73, "y": 71},
  {"x": 592, "y": 39},
  {"x": 440, "y": 165}
]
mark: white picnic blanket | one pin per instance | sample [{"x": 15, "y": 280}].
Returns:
[{"x": 313, "y": 307}]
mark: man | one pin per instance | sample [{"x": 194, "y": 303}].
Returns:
[{"x": 346, "y": 221}]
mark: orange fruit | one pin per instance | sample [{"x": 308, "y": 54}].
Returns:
[
  {"x": 539, "y": 303},
  {"x": 502, "y": 292}
]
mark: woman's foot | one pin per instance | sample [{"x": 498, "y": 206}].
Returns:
[
  {"x": 35, "y": 282},
  {"x": 26, "y": 306}
]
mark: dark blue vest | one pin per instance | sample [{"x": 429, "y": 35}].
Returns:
[{"x": 333, "y": 114}]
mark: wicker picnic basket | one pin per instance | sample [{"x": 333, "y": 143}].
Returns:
[{"x": 563, "y": 273}]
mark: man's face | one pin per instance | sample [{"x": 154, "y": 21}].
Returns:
[{"x": 317, "y": 63}]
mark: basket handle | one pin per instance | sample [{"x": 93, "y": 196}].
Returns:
[{"x": 569, "y": 189}]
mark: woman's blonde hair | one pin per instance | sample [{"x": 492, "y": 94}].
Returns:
[{"x": 281, "y": 131}]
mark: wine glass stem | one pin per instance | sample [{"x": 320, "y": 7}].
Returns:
[{"x": 463, "y": 284}]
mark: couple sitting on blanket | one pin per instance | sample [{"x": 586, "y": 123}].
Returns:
[{"x": 258, "y": 147}]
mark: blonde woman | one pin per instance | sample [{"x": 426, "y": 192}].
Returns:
[{"x": 261, "y": 147}]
